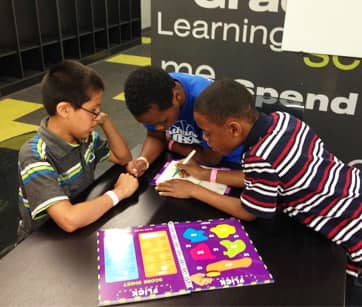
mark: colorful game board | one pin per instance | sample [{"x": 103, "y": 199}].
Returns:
[
  {"x": 149, "y": 262},
  {"x": 167, "y": 171}
]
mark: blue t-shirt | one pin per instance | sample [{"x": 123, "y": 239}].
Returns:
[{"x": 185, "y": 129}]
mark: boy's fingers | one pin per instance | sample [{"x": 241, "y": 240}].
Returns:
[
  {"x": 183, "y": 173},
  {"x": 182, "y": 167},
  {"x": 134, "y": 171},
  {"x": 165, "y": 194},
  {"x": 163, "y": 187}
]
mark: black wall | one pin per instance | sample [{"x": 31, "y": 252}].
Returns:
[{"x": 241, "y": 39}]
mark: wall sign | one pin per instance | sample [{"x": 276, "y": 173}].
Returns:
[
  {"x": 242, "y": 40},
  {"x": 323, "y": 26}
]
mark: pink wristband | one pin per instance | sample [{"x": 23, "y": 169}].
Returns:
[
  {"x": 170, "y": 144},
  {"x": 213, "y": 175}
]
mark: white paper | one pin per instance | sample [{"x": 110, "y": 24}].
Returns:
[
  {"x": 170, "y": 170},
  {"x": 324, "y": 27}
]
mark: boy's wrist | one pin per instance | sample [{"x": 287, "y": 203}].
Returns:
[
  {"x": 113, "y": 196},
  {"x": 194, "y": 190},
  {"x": 205, "y": 174},
  {"x": 145, "y": 160},
  {"x": 105, "y": 117},
  {"x": 120, "y": 193}
]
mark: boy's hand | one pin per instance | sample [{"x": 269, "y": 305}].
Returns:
[
  {"x": 136, "y": 167},
  {"x": 125, "y": 186},
  {"x": 192, "y": 169},
  {"x": 101, "y": 118},
  {"x": 176, "y": 188}
]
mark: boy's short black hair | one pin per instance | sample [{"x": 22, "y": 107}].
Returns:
[
  {"x": 69, "y": 81},
  {"x": 147, "y": 86},
  {"x": 224, "y": 99}
]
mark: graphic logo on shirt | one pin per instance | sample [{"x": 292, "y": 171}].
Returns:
[{"x": 182, "y": 132}]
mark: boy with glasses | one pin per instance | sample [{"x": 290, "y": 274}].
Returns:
[{"x": 59, "y": 162}]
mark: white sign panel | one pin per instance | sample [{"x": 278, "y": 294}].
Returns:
[{"x": 324, "y": 27}]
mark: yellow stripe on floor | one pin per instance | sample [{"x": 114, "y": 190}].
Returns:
[
  {"x": 120, "y": 96},
  {"x": 12, "y": 109},
  {"x": 130, "y": 60},
  {"x": 146, "y": 40}
]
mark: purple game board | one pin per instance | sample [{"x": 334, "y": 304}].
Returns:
[{"x": 156, "y": 261}]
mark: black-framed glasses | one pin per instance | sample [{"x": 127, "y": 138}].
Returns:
[{"x": 96, "y": 114}]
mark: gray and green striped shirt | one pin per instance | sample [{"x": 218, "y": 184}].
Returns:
[{"x": 51, "y": 170}]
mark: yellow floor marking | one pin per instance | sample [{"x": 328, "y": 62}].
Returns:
[
  {"x": 120, "y": 96},
  {"x": 12, "y": 109},
  {"x": 130, "y": 60},
  {"x": 16, "y": 142},
  {"x": 146, "y": 40}
]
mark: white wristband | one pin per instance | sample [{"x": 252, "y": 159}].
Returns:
[
  {"x": 112, "y": 196},
  {"x": 144, "y": 160}
]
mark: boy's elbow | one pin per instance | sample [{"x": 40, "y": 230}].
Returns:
[
  {"x": 62, "y": 213},
  {"x": 250, "y": 218},
  {"x": 67, "y": 223},
  {"x": 68, "y": 226},
  {"x": 245, "y": 215}
]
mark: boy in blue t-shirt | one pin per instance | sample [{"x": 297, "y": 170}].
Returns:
[{"x": 164, "y": 103}]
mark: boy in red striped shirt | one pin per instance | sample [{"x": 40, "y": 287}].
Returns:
[{"x": 285, "y": 167}]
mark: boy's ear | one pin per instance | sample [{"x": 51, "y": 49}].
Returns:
[
  {"x": 64, "y": 109},
  {"x": 178, "y": 94},
  {"x": 234, "y": 127}
]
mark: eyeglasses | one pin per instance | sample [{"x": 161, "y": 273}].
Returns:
[{"x": 96, "y": 114}]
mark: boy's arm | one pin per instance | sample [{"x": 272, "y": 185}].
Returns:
[
  {"x": 232, "y": 178},
  {"x": 227, "y": 204},
  {"x": 185, "y": 189},
  {"x": 153, "y": 145},
  {"x": 120, "y": 152},
  {"x": 71, "y": 217}
]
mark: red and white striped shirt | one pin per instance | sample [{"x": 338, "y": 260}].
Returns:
[{"x": 287, "y": 167}]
